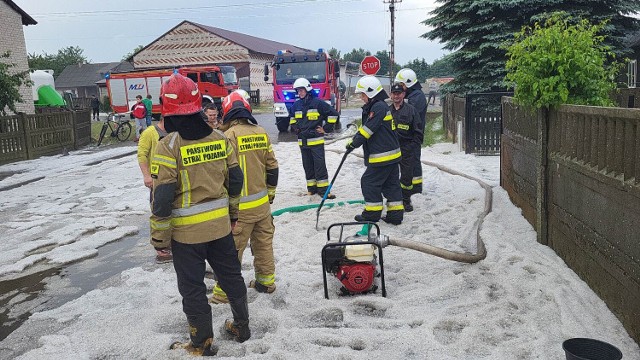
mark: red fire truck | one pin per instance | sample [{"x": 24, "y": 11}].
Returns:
[
  {"x": 125, "y": 86},
  {"x": 322, "y": 72}
]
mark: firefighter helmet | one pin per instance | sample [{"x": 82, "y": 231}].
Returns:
[
  {"x": 369, "y": 85},
  {"x": 244, "y": 94},
  {"x": 234, "y": 100},
  {"x": 180, "y": 96},
  {"x": 302, "y": 83},
  {"x": 407, "y": 76}
]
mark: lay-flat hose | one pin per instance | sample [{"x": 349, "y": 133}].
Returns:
[{"x": 481, "y": 251}]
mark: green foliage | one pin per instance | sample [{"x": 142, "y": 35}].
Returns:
[
  {"x": 10, "y": 83},
  {"x": 70, "y": 55},
  {"x": 561, "y": 63},
  {"x": 334, "y": 53},
  {"x": 356, "y": 55},
  {"x": 128, "y": 55},
  {"x": 385, "y": 59},
  {"x": 105, "y": 106},
  {"x": 475, "y": 30}
]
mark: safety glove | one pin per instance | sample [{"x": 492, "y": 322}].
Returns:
[
  {"x": 272, "y": 194},
  {"x": 349, "y": 146}
]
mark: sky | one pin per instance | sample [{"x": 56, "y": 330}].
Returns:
[
  {"x": 107, "y": 30},
  {"x": 521, "y": 302}
]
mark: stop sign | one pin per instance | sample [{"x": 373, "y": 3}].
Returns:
[{"x": 370, "y": 65}]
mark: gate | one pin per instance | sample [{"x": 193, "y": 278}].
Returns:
[{"x": 483, "y": 122}]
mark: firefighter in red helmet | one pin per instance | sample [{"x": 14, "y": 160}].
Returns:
[
  {"x": 196, "y": 188},
  {"x": 260, "y": 169}
]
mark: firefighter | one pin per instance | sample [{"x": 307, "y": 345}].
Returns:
[
  {"x": 307, "y": 116},
  {"x": 418, "y": 100},
  {"x": 196, "y": 190},
  {"x": 382, "y": 154},
  {"x": 410, "y": 136},
  {"x": 260, "y": 169}
]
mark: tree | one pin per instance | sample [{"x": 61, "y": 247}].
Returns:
[
  {"x": 10, "y": 83},
  {"x": 420, "y": 67},
  {"x": 70, "y": 55},
  {"x": 476, "y": 30},
  {"x": 128, "y": 55},
  {"x": 385, "y": 60},
  {"x": 334, "y": 53},
  {"x": 356, "y": 55},
  {"x": 561, "y": 63}
]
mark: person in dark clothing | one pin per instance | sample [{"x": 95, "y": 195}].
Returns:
[
  {"x": 418, "y": 100},
  {"x": 410, "y": 136},
  {"x": 310, "y": 119},
  {"x": 95, "y": 106},
  {"x": 197, "y": 184},
  {"x": 382, "y": 154}
]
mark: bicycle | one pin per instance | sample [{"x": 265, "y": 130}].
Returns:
[{"x": 120, "y": 128}]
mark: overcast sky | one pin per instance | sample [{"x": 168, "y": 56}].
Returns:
[{"x": 107, "y": 30}]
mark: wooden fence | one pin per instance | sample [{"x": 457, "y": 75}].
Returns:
[
  {"x": 575, "y": 172},
  {"x": 29, "y": 136}
]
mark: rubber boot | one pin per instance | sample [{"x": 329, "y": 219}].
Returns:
[
  {"x": 201, "y": 335},
  {"x": 239, "y": 327}
]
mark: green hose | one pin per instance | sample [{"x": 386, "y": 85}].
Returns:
[{"x": 300, "y": 208}]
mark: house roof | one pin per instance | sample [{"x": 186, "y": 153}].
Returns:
[
  {"x": 88, "y": 74},
  {"x": 26, "y": 19},
  {"x": 255, "y": 44}
]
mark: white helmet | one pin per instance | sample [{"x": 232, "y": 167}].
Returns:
[
  {"x": 407, "y": 76},
  {"x": 302, "y": 83},
  {"x": 244, "y": 94},
  {"x": 369, "y": 85}
]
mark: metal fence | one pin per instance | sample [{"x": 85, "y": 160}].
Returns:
[{"x": 483, "y": 122}]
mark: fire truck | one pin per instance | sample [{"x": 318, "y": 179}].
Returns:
[
  {"x": 322, "y": 72},
  {"x": 123, "y": 87}
]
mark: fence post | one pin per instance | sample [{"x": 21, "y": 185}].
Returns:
[
  {"x": 542, "y": 180},
  {"x": 22, "y": 118}
]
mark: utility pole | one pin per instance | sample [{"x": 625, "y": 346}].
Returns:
[{"x": 392, "y": 8}]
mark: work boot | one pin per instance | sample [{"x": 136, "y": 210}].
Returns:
[
  {"x": 261, "y": 287},
  {"x": 201, "y": 337},
  {"x": 407, "y": 205},
  {"x": 330, "y": 196},
  {"x": 391, "y": 221},
  {"x": 360, "y": 218},
  {"x": 239, "y": 327}
]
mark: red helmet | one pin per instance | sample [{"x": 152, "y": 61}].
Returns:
[
  {"x": 230, "y": 102},
  {"x": 180, "y": 96}
]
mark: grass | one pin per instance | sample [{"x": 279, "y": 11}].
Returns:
[
  {"x": 96, "y": 127},
  {"x": 434, "y": 132}
]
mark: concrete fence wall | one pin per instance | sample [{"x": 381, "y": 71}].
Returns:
[
  {"x": 29, "y": 136},
  {"x": 575, "y": 172},
  {"x": 453, "y": 110}
]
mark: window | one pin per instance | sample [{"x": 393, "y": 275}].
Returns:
[
  {"x": 193, "y": 76},
  {"x": 210, "y": 77},
  {"x": 632, "y": 73}
]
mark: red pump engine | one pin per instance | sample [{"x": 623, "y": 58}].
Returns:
[{"x": 357, "y": 277}]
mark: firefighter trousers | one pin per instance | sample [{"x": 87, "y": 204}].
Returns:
[
  {"x": 407, "y": 165},
  {"x": 189, "y": 264},
  {"x": 417, "y": 172},
  {"x": 379, "y": 181},
  {"x": 259, "y": 236},
  {"x": 315, "y": 168}
]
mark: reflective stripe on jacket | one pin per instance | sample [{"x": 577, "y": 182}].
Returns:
[
  {"x": 377, "y": 135},
  {"x": 309, "y": 113}
]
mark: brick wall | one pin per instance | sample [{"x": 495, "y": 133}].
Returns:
[{"x": 12, "y": 38}]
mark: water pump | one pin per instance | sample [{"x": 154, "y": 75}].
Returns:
[{"x": 353, "y": 260}]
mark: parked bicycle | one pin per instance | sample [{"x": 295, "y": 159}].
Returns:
[{"x": 119, "y": 126}]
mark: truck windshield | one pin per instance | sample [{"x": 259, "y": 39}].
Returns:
[
  {"x": 229, "y": 75},
  {"x": 287, "y": 73}
]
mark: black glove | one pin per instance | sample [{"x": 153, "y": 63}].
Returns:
[{"x": 349, "y": 146}]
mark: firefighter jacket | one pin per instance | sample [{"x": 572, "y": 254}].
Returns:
[
  {"x": 196, "y": 187},
  {"x": 309, "y": 113},
  {"x": 259, "y": 167},
  {"x": 377, "y": 135},
  {"x": 407, "y": 124},
  {"x": 417, "y": 99}
]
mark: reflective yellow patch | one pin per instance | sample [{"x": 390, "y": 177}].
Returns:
[
  {"x": 154, "y": 168},
  {"x": 403, "y": 126},
  {"x": 252, "y": 142},
  {"x": 298, "y": 114},
  {"x": 205, "y": 152}
]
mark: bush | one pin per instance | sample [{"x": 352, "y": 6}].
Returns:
[
  {"x": 105, "y": 106},
  {"x": 561, "y": 63}
]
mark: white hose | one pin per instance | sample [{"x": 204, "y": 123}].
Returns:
[{"x": 481, "y": 251}]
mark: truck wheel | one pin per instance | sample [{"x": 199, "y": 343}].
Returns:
[{"x": 283, "y": 124}]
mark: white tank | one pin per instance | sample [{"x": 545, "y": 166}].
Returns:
[{"x": 40, "y": 78}]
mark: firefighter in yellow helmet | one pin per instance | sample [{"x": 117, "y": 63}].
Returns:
[
  {"x": 260, "y": 168},
  {"x": 196, "y": 189}
]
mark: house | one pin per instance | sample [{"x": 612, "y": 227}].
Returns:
[
  {"x": 12, "y": 39},
  {"x": 85, "y": 80},
  {"x": 633, "y": 42},
  {"x": 189, "y": 43}
]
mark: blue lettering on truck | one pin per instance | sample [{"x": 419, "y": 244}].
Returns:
[{"x": 136, "y": 87}]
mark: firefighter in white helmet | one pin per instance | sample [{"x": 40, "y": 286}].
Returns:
[
  {"x": 416, "y": 98},
  {"x": 382, "y": 154},
  {"x": 260, "y": 169},
  {"x": 311, "y": 118},
  {"x": 196, "y": 189}
]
